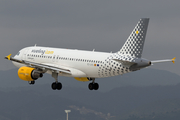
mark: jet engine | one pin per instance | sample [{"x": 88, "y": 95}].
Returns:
[
  {"x": 82, "y": 79},
  {"x": 29, "y": 74}
]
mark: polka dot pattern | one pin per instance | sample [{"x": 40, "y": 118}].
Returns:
[
  {"x": 111, "y": 67},
  {"x": 134, "y": 44},
  {"x": 131, "y": 51}
]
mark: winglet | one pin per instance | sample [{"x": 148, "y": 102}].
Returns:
[
  {"x": 173, "y": 60},
  {"x": 8, "y": 57}
]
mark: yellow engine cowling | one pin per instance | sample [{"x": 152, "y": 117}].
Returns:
[
  {"x": 28, "y": 73},
  {"x": 82, "y": 79}
]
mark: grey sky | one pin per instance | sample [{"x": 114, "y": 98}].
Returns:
[{"x": 101, "y": 24}]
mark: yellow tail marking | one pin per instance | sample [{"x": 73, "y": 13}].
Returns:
[
  {"x": 173, "y": 60},
  {"x": 137, "y": 32},
  {"x": 9, "y": 57}
]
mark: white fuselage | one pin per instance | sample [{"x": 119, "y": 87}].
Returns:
[{"x": 81, "y": 63}]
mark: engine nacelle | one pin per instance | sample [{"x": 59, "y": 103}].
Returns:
[
  {"x": 82, "y": 79},
  {"x": 29, "y": 74}
]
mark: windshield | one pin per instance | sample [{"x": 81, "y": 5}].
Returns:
[{"x": 18, "y": 53}]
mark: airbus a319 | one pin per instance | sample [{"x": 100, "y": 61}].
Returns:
[{"x": 34, "y": 61}]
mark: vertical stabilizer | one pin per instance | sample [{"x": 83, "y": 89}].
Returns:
[{"x": 134, "y": 44}]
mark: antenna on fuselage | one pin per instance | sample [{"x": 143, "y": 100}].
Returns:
[
  {"x": 93, "y": 50},
  {"x": 35, "y": 45}
]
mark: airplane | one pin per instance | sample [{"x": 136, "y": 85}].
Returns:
[{"x": 34, "y": 61}]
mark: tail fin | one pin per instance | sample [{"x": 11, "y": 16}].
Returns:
[{"x": 134, "y": 44}]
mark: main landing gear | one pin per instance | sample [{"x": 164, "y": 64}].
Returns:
[
  {"x": 93, "y": 85},
  {"x": 56, "y": 85}
]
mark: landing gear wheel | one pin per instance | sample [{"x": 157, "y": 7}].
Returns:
[
  {"x": 96, "y": 86},
  {"x": 59, "y": 86},
  {"x": 53, "y": 86},
  {"x": 90, "y": 86},
  {"x": 31, "y": 82},
  {"x": 93, "y": 86},
  {"x": 56, "y": 86}
]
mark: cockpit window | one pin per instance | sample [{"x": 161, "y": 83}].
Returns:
[{"x": 18, "y": 53}]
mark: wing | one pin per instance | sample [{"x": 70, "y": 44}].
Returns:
[{"x": 39, "y": 65}]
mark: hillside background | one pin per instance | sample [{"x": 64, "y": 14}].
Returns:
[{"x": 143, "y": 95}]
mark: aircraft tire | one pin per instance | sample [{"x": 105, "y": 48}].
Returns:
[
  {"x": 91, "y": 86},
  {"x": 59, "y": 86},
  {"x": 54, "y": 86},
  {"x": 96, "y": 86}
]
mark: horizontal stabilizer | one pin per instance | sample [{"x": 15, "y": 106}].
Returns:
[{"x": 167, "y": 60}]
